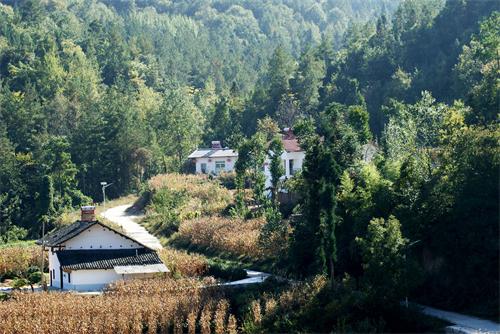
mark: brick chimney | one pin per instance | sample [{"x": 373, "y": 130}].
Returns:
[
  {"x": 216, "y": 145},
  {"x": 88, "y": 213},
  {"x": 288, "y": 134}
]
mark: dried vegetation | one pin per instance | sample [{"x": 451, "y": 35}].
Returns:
[{"x": 138, "y": 306}]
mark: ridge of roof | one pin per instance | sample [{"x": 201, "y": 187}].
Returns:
[{"x": 208, "y": 152}]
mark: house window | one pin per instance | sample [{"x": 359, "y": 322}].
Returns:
[
  {"x": 220, "y": 166},
  {"x": 290, "y": 165},
  {"x": 53, "y": 274},
  {"x": 204, "y": 168},
  {"x": 69, "y": 277}
]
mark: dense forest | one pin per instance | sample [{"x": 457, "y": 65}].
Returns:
[{"x": 120, "y": 91}]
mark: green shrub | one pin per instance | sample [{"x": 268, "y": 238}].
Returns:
[
  {"x": 19, "y": 283},
  {"x": 225, "y": 270},
  {"x": 228, "y": 180},
  {"x": 35, "y": 277},
  {"x": 165, "y": 211},
  {"x": 4, "y": 296}
]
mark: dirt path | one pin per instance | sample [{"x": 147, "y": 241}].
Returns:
[{"x": 128, "y": 221}]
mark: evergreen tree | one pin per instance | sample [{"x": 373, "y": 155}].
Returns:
[{"x": 313, "y": 249}]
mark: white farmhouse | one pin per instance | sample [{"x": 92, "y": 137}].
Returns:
[
  {"x": 292, "y": 157},
  {"x": 214, "y": 160},
  {"x": 218, "y": 159},
  {"x": 88, "y": 255}
]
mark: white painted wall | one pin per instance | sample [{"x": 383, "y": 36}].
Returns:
[
  {"x": 211, "y": 164},
  {"x": 298, "y": 161},
  {"x": 92, "y": 280},
  {"x": 89, "y": 280},
  {"x": 100, "y": 237},
  {"x": 54, "y": 264}
]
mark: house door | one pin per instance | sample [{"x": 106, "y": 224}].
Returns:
[
  {"x": 61, "y": 277},
  {"x": 204, "y": 168}
]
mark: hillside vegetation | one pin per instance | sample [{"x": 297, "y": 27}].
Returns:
[{"x": 123, "y": 92}]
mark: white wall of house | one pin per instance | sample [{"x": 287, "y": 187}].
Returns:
[
  {"x": 55, "y": 275},
  {"x": 297, "y": 159},
  {"x": 211, "y": 164},
  {"x": 100, "y": 237},
  {"x": 93, "y": 280},
  {"x": 89, "y": 280}
]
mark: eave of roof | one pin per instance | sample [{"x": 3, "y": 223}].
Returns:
[{"x": 89, "y": 259}]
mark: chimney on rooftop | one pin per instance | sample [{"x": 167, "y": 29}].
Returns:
[
  {"x": 288, "y": 134},
  {"x": 216, "y": 145},
  {"x": 88, "y": 213}
]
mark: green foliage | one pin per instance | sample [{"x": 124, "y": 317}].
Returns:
[
  {"x": 179, "y": 126},
  {"x": 122, "y": 91},
  {"x": 35, "y": 277},
  {"x": 224, "y": 123},
  {"x": 275, "y": 167},
  {"x": 383, "y": 259},
  {"x": 315, "y": 306},
  {"x": 18, "y": 283},
  {"x": 313, "y": 249},
  {"x": 413, "y": 128},
  {"x": 225, "y": 270},
  {"x": 165, "y": 204},
  {"x": 251, "y": 156}
]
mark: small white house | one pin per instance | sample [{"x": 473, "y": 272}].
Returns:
[
  {"x": 88, "y": 255},
  {"x": 214, "y": 160},
  {"x": 292, "y": 157}
]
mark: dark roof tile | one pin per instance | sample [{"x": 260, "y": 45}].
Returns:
[
  {"x": 85, "y": 259},
  {"x": 65, "y": 233}
]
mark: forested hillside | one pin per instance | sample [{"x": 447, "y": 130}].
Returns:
[{"x": 120, "y": 91}]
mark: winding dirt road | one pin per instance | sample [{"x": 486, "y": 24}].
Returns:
[{"x": 128, "y": 222}]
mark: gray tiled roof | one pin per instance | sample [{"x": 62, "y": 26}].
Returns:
[
  {"x": 106, "y": 259},
  {"x": 65, "y": 233}
]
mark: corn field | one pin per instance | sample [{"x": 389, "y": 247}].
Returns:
[
  {"x": 231, "y": 235},
  {"x": 137, "y": 306},
  {"x": 181, "y": 263}
]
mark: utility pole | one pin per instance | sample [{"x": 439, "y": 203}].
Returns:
[
  {"x": 104, "y": 186},
  {"x": 44, "y": 286}
]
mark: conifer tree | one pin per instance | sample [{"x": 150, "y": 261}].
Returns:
[{"x": 314, "y": 243}]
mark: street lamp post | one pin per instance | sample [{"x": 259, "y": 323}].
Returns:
[{"x": 104, "y": 186}]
